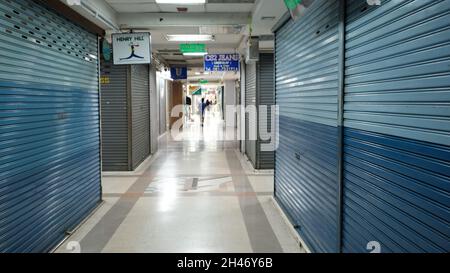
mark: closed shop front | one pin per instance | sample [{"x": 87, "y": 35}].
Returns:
[
  {"x": 372, "y": 82},
  {"x": 265, "y": 155},
  {"x": 397, "y": 126},
  {"x": 307, "y": 86},
  {"x": 125, "y": 115},
  {"x": 250, "y": 121},
  {"x": 260, "y": 93},
  {"x": 140, "y": 113},
  {"x": 49, "y": 126}
]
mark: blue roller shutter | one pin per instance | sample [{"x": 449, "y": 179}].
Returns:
[
  {"x": 306, "y": 162},
  {"x": 397, "y": 126},
  {"x": 49, "y": 126}
]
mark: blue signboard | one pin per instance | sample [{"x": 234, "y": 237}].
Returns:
[
  {"x": 222, "y": 62},
  {"x": 178, "y": 73}
]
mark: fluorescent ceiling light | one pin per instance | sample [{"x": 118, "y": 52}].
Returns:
[
  {"x": 189, "y": 38},
  {"x": 195, "y": 54},
  {"x": 185, "y": 2}
]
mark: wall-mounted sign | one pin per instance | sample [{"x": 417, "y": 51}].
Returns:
[
  {"x": 178, "y": 73},
  {"x": 222, "y": 62},
  {"x": 192, "y": 48},
  {"x": 204, "y": 81},
  {"x": 132, "y": 48},
  {"x": 198, "y": 92}
]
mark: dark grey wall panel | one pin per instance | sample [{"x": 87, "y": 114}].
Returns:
[
  {"x": 154, "y": 121},
  {"x": 115, "y": 134},
  {"x": 265, "y": 97},
  {"x": 140, "y": 113},
  {"x": 49, "y": 126},
  {"x": 250, "y": 99}
]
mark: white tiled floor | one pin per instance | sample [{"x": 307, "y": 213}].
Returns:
[{"x": 185, "y": 200}]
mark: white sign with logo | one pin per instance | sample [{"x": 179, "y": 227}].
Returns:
[{"x": 132, "y": 48}]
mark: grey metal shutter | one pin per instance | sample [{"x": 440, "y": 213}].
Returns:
[
  {"x": 115, "y": 109},
  {"x": 49, "y": 126},
  {"x": 266, "y": 97},
  {"x": 140, "y": 113},
  {"x": 397, "y": 126},
  {"x": 154, "y": 122},
  {"x": 250, "y": 123},
  {"x": 306, "y": 172}
]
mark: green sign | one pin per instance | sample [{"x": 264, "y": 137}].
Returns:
[
  {"x": 203, "y": 81},
  {"x": 192, "y": 48},
  {"x": 197, "y": 93},
  {"x": 292, "y": 4}
]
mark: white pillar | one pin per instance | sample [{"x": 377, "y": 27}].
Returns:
[{"x": 230, "y": 99}]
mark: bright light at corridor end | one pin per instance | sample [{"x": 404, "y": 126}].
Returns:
[
  {"x": 184, "y": 2},
  {"x": 189, "y": 38}
]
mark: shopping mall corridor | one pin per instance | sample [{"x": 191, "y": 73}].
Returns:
[{"x": 197, "y": 194}]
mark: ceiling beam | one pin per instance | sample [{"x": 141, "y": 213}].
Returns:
[
  {"x": 98, "y": 12},
  {"x": 149, "y": 20}
]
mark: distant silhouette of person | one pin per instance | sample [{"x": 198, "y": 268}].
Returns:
[
  {"x": 202, "y": 107},
  {"x": 133, "y": 53}
]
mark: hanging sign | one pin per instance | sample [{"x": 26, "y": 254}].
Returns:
[
  {"x": 178, "y": 73},
  {"x": 193, "y": 48},
  {"x": 132, "y": 48},
  {"x": 222, "y": 62}
]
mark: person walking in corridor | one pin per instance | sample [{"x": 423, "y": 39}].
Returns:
[{"x": 202, "y": 107}]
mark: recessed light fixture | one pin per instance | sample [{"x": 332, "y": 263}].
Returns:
[
  {"x": 195, "y": 54},
  {"x": 189, "y": 37},
  {"x": 178, "y": 2}
]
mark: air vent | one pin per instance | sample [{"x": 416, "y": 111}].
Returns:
[
  {"x": 182, "y": 10},
  {"x": 268, "y": 18}
]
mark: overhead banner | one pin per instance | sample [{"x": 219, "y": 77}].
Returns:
[
  {"x": 222, "y": 62},
  {"x": 178, "y": 73},
  {"x": 132, "y": 48}
]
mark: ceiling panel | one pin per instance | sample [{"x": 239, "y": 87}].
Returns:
[
  {"x": 173, "y": 8},
  {"x": 125, "y": 6},
  {"x": 229, "y": 8},
  {"x": 135, "y": 7}
]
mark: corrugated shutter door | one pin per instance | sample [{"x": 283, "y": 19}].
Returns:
[
  {"x": 154, "y": 122},
  {"x": 306, "y": 178},
  {"x": 114, "y": 117},
  {"x": 140, "y": 112},
  {"x": 49, "y": 126},
  {"x": 397, "y": 133},
  {"x": 266, "y": 97},
  {"x": 250, "y": 123}
]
